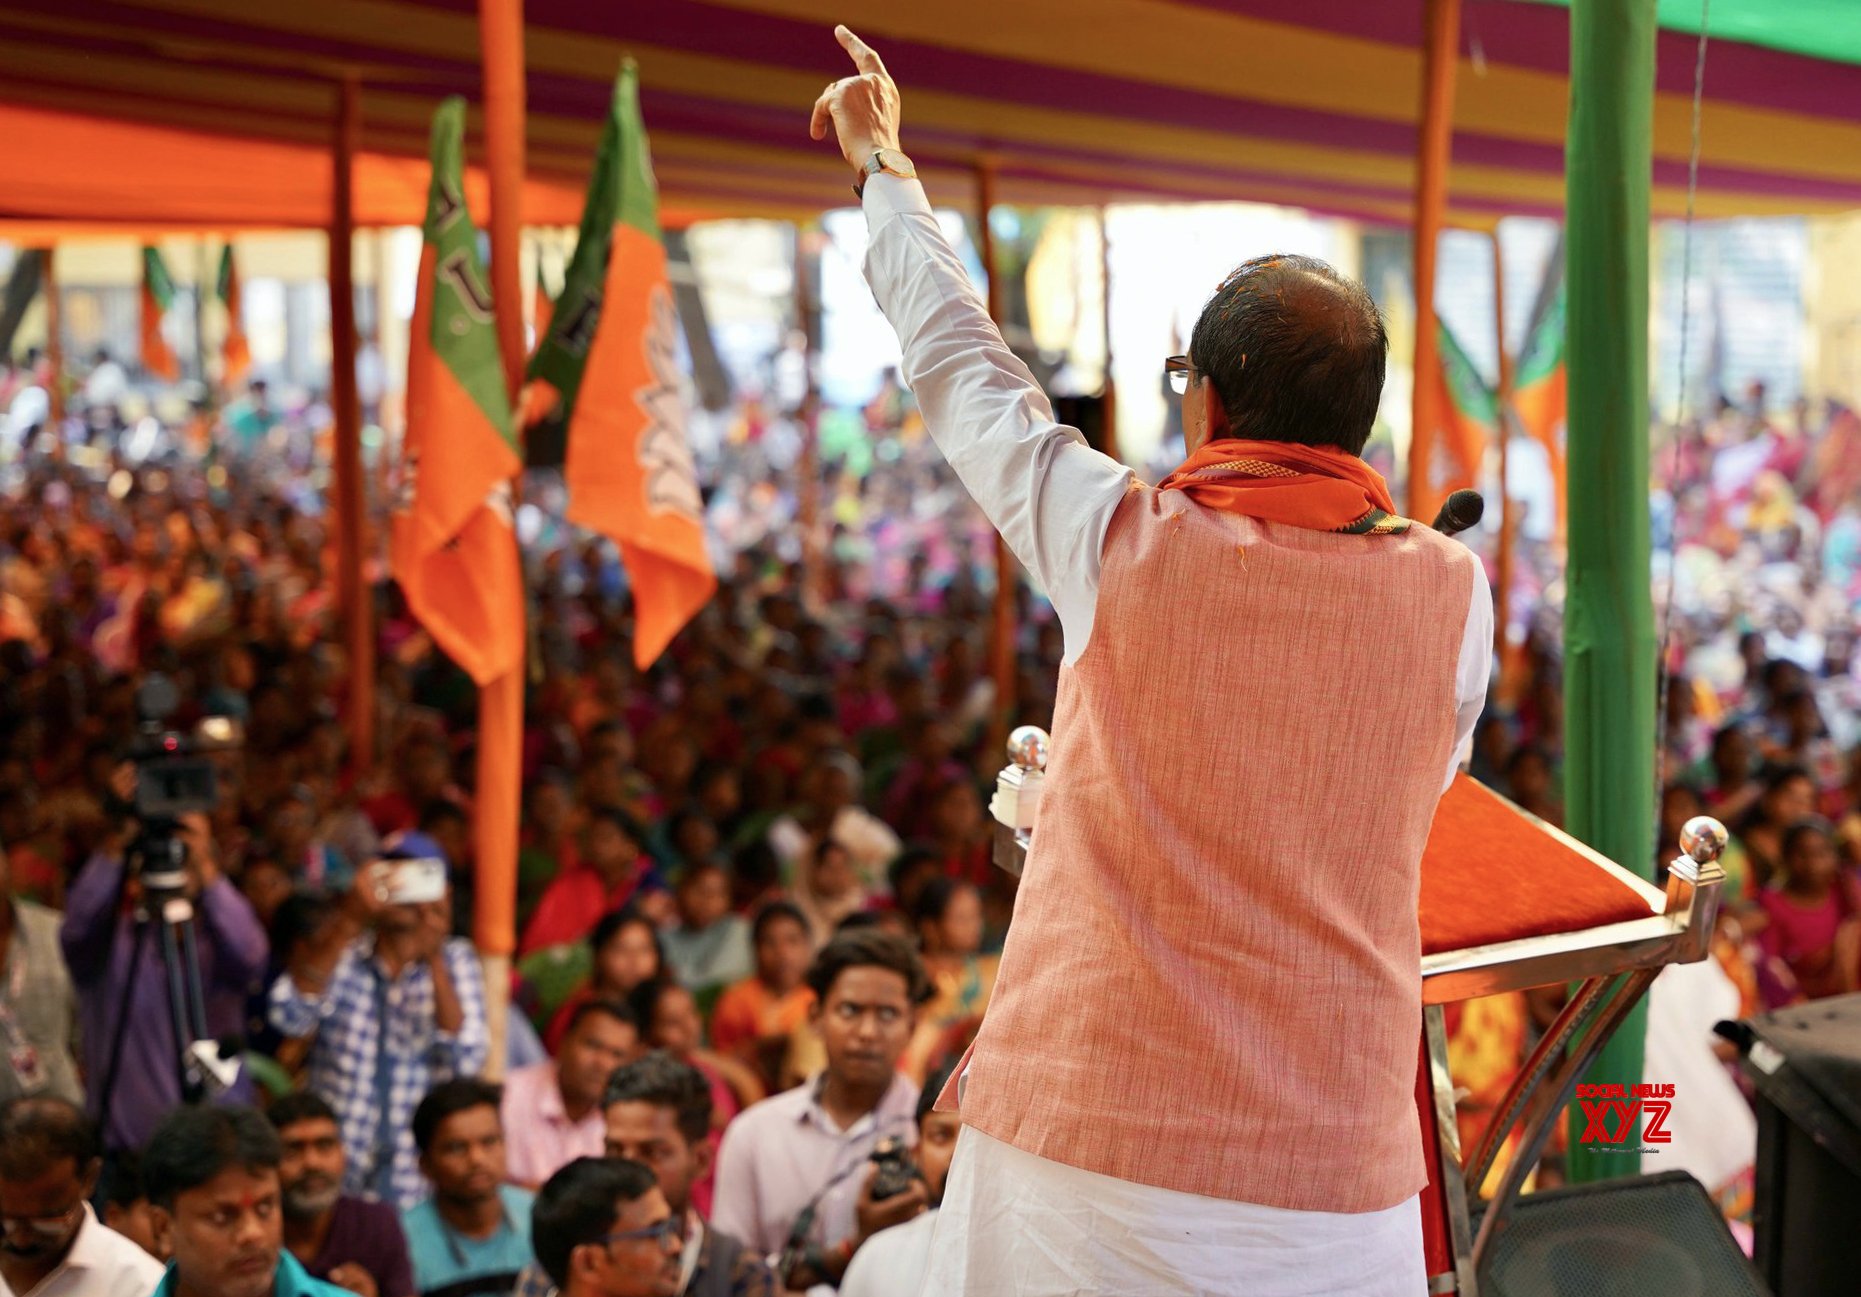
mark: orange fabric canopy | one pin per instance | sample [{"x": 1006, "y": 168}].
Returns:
[
  {"x": 1311, "y": 103},
  {"x": 129, "y": 179}
]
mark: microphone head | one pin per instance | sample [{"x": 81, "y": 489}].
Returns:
[{"x": 1461, "y": 510}]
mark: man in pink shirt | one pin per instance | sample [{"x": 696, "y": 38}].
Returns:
[
  {"x": 792, "y": 1169},
  {"x": 552, "y": 1110}
]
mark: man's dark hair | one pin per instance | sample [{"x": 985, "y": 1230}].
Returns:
[
  {"x": 618, "y": 1010},
  {"x": 665, "y": 1082},
  {"x": 123, "y": 1186},
  {"x": 35, "y": 1132},
  {"x": 440, "y": 811},
  {"x": 299, "y": 918},
  {"x": 577, "y": 1205},
  {"x": 299, "y": 1105},
  {"x": 448, "y": 1098},
  {"x": 195, "y": 1144},
  {"x": 869, "y": 948},
  {"x": 935, "y": 898},
  {"x": 1295, "y": 351},
  {"x": 775, "y": 912},
  {"x": 635, "y": 831},
  {"x": 933, "y": 1087},
  {"x": 910, "y": 860}
]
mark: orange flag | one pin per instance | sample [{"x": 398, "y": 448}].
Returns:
[
  {"x": 235, "y": 355},
  {"x": 1540, "y": 394},
  {"x": 610, "y": 361},
  {"x": 157, "y": 296},
  {"x": 453, "y": 549}
]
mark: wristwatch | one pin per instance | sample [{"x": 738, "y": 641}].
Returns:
[{"x": 891, "y": 162}]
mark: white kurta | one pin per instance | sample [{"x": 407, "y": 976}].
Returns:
[{"x": 1012, "y": 1222}]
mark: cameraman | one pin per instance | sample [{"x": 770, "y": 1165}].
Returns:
[
  {"x": 791, "y": 1168},
  {"x": 396, "y": 1006},
  {"x": 123, "y": 989}
]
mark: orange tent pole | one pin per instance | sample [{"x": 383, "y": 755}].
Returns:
[
  {"x": 54, "y": 348},
  {"x": 1433, "y": 147},
  {"x": 1108, "y": 401},
  {"x": 1002, "y": 636},
  {"x": 351, "y": 495},
  {"x": 500, "y": 703},
  {"x": 1502, "y": 597}
]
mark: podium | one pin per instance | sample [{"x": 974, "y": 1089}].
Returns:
[{"x": 1508, "y": 902}]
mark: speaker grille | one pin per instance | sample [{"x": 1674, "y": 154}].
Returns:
[{"x": 1653, "y": 1236}]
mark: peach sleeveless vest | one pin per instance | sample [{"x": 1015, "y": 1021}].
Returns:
[{"x": 1212, "y": 981}]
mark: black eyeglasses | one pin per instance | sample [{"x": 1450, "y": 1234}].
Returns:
[
  {"x": 669, "y": 1230},
  {"x": 1181, "y": 373}
]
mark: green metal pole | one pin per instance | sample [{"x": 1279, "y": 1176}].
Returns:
[{"x": 1609, "y": 642}]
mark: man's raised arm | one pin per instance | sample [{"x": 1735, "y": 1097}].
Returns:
[{"x": 1049, "y": 494}]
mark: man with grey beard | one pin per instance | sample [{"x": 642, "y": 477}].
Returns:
[{"x": 353, "y": 1243}]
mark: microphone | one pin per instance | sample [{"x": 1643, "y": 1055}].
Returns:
[{"x": 1461, "y": 510}]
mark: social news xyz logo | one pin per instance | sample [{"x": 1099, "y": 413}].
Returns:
[{"x": 1610, "y": 1113}]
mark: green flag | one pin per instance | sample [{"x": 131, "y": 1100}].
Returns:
[{"x": 1469, "y": 412}]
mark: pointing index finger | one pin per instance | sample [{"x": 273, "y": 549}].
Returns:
[{"x": 865, "y": 58}]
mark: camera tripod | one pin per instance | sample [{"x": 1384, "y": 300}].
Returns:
[{"x": 158, "y": 857}]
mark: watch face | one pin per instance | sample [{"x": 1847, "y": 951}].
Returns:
[{"x": 897, "y": 164}]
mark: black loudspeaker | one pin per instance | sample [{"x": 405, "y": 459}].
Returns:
[
  {"x": 1648, "y": 1236},
  {"x": 1806, "y": 1065}
]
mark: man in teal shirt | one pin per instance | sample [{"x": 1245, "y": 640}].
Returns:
[
  {"x": 471, "y": 1238},
  {"x": 212, "y": 1180}
]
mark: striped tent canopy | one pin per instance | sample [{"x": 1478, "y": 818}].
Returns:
[{"x": 217, "y": 113}]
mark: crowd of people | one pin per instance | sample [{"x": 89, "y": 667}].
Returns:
[{"x": 758, "y": 918}]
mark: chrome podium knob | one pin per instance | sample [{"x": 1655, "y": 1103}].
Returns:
[
  {"x": 1028, "y": 747},
  {"x": 1703, "y": 839}
]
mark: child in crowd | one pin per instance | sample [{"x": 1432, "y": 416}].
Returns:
[
  {"x": 710, "y": 947},
  {"x": 755, "y": 1019},
  {"x": 1814, "y": 923}
]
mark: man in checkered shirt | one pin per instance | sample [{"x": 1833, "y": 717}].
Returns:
[{"x": 393, "y": 966}]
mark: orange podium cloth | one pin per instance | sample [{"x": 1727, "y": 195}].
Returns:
[{"x": 1490, "y": 873}]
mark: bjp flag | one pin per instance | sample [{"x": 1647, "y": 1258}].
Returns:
[
  {"x": 1469, "y": 412},
  {"x": 608, "y": 365},
  {"x": 1540, "y": 394},
  {"x": 453, "y": 548},
  {"x": 157, "y": 296},
  {"x": 235, "y": 355}
]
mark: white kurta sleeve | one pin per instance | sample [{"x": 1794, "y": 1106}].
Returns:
[
  {"x": 1473, "y": 671},
  {"x": 1048, "y": 493}
]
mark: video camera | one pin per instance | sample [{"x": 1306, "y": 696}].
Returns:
[{"x": 175, "y": 776}]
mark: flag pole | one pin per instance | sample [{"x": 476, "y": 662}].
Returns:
[
  {"x": 500, "y": 703},
  {"x": 1108, "y": 401},
  {"x": 351, "y": 495},
  {"x": 1441, "y": 36},
  {"x": 1002, "y": 636},
  {"x": 1502, "y": 597},
  {"x": 54, "y": 348}
]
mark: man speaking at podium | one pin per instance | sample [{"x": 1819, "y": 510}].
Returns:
[{"x": 1198, "y": 1070}]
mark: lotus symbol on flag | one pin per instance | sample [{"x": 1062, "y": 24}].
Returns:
[{"x": 671, "y": 476}]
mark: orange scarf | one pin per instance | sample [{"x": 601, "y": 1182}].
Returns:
[{"x": 1318, "y": 487}]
